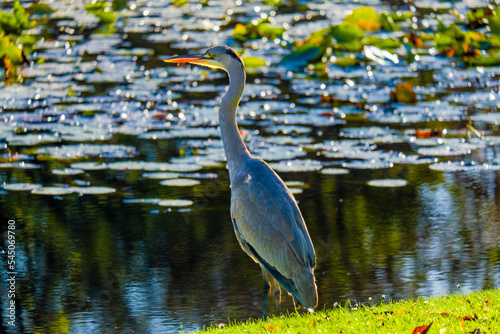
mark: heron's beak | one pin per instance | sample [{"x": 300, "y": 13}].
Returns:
[
  {"x": 186, "y": 58},
  {"x": 198, "y": 59}
]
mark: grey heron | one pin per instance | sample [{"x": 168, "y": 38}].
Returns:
[{"x": 266, "y": 218}]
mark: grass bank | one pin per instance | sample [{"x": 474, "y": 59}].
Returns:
[{"x": 475, "y": 312}]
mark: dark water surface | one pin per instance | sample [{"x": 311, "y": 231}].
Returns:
[{"x": 89, "y": 263}]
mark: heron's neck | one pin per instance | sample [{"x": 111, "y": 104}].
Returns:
[{"x": 235, "y": 149}]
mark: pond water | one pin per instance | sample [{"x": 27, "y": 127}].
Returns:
[{"x": 113, "y": 171}]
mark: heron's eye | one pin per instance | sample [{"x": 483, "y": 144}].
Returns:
[{"x": 212, "y": 55}]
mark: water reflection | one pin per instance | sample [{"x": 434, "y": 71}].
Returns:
[{"x": 95, "y": 263}]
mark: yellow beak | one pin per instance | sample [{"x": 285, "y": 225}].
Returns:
[{"x": 198, "y": 59}]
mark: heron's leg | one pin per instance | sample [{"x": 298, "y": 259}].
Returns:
[
  {"x": 267, "y": 286},
  {"x": 276, "y": 293}
]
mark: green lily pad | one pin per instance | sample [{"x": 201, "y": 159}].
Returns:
[
  {"x": 347, "y": 33},
  {"x": 300, "y": 57},
  {"x": 365, "y": 18},
  {"x": 253, "y": 62}
]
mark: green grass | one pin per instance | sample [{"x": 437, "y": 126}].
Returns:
[{"x": 476, "y": 312}]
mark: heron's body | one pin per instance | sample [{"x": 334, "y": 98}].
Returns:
[{"x": 266, "y": 219}]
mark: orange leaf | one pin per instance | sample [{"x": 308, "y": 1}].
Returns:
[
  {"x": 468, "y": 318},
  {"x": 160, "y": 115},
  {"x": 327, "y": 114},
  {"x": 398, "y": 312},
  {"x": 422, "y": 329},
  {"x": 404, "y": 93},
  {"x": 271, "y": 327},
  {"x": 415, "y": 40}
]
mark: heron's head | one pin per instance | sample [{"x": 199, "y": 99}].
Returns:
[{"x": 222, "y": 57}]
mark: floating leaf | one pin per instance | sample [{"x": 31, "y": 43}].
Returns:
[
  {"x": 254, "y": 62},
  {"x": 348, "y": 61},
  {"x": 139, "y": 165},
  {"x": 334, "y": 171},
  {"x": 444, "y": 150},
  {"x": 141, "y": 200},
  {"x": 89, "y": 165},
  {"x": 240, "y": 32},
  {"x": 40, "y": 8},
  {"x": 365, "y": 18},
  {"x": 368, "y": 164},
  {"x": 347, "y": 33},
  {"x": 180, "y": 182},
  {"x": 20, "y": 165},
  {"x": 94, "y": 190},
  {"x": 161, "y": 175},
  {"x": 54, "y": 191},
  {"x": 297, "y": 166},
  {"x": 387, "y": 22},
  {"x": 300, "y": 57},
  {"x": 178, "y": 167},
  {"x": 21, "y": 186},
  {"x": 387, "y": 183},
  {"x": 68, "y": 171},
  {"x": 84, "y": 150},
  {"x": 404, "y": 93},
  {"x": 469, "y": 318},
  {"x": 295, "y": 184},
  {"x": 175, "y": 202}
]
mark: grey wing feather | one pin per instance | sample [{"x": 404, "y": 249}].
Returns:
[{"x": 267, "y": 218}]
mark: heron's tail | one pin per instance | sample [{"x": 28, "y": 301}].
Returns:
[{"x": 306, "y": 293}]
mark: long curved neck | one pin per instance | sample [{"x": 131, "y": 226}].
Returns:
[{"x": 234, "y": 147}]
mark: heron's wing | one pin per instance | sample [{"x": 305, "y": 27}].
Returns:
[{"x": 268, "y": 220}]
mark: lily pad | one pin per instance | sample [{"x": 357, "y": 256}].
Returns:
[
  {"x": 297, "y": 166},
  {"x": 53, "y": 191},
  {"x": 86, "y": 150},
  {"x": 387, "y": 183},
  {"x": 296, "y": 191},
  {"x": 68, "y": 171},
  {"x": 161, "y": 175},
  {"x": 94, "y": 190},
  {"x": 334, "y": 171},
  {"x": 89, "y": 165},
  {"x": 141, "y": 200},
  {"x": 21, "y": 186},
  {"x": 368, "y": 164},
  {"x": 295, "y": 184},
  {"x": 180, "y": 182},
  {"x": 456, "y": 166},
  {"x": 175, "y": 202},
  {"x": 19, "y": 164}
]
